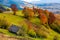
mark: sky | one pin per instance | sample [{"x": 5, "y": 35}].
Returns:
[
  {"x": 8, "y": 2},
  {"x": 35, "y": 1},
  {"x": 41, "y": 1},
  {"x": 19, "y": 2}
]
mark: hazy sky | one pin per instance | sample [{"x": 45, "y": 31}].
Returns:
[
  {"x": 39, "y": 1},
  {"x": 43, "y": 1},
  {"x": 34, "y": 1}
]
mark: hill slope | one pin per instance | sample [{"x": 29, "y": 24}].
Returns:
[{"x": 42, "y": 31}]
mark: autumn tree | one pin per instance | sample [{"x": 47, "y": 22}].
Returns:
[
  {"x": 51, "y": 18},
  {"x": 31, "y": 13},
  {"x": 28, "y": 12},
  {"x": 46, "y": 12},
  {"x": 14, "y": 8},
  {"x": 42, "y": 16},
  {"x": 24, "y": 11},
  {"x": 35, "y": 10}
]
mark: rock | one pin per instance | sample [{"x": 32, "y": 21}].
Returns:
[{"x": 13, "y": 29}]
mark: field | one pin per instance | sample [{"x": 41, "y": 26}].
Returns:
[{"x": 19, "y": 20}]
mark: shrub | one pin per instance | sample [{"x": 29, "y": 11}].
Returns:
[
  {"x": 1, "y": 11},
  {"x": 32, "y": 33},
  {"x": 42, "y": 32},
  {"x": 8, "y": 9},
  {"x": 3, "y": 23},
  {"x": 23, "y": 30},
  {"x": 56, "y": 37},
  {"x": 55, "y": 27}
]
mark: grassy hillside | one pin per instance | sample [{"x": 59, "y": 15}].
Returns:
[{"x": 42, "y": 33}]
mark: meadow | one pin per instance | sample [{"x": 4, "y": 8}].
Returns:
[{"x": 43, "y": 33}]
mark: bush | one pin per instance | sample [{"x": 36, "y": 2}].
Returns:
[
  {"x": 23, "y": 30},
  {"x": 32, "y": 33},
  {"x": 55, "y": 27},
  {"x": 56, "y": 37},
  {"x": 42, "y": 32},
  {"x": 1, "y": 11},
  {"x": 25, "y": 27},
  {"x": 3, "y": 23},
  {"x": 8, "y": 9}
]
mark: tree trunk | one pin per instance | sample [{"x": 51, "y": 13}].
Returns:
[{"x": 14, "y": 13}]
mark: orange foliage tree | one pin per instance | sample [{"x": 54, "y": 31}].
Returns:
[
  {"x": 42, "y": 16},
  {"x": 28, "y": 12},
  {"x": 14, "y": 8}
]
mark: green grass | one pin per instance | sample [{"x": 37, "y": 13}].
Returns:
[
  {"x": 6, "y": 32},
  {"x": 19, "y": 21},
  {"x": 11, "y": 18}
]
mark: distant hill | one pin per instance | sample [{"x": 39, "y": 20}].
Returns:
[
  {"x": 2, "y": 8},
  {"x": 54, "y": 7}
]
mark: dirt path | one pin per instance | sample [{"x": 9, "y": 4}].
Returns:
[{"x": 6, "y": 37}]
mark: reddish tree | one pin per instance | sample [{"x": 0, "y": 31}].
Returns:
[
  {"x": 51, "y": 18},
  {"x": 42, "y": 16},
  {"x": 14, "y": 8}
]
